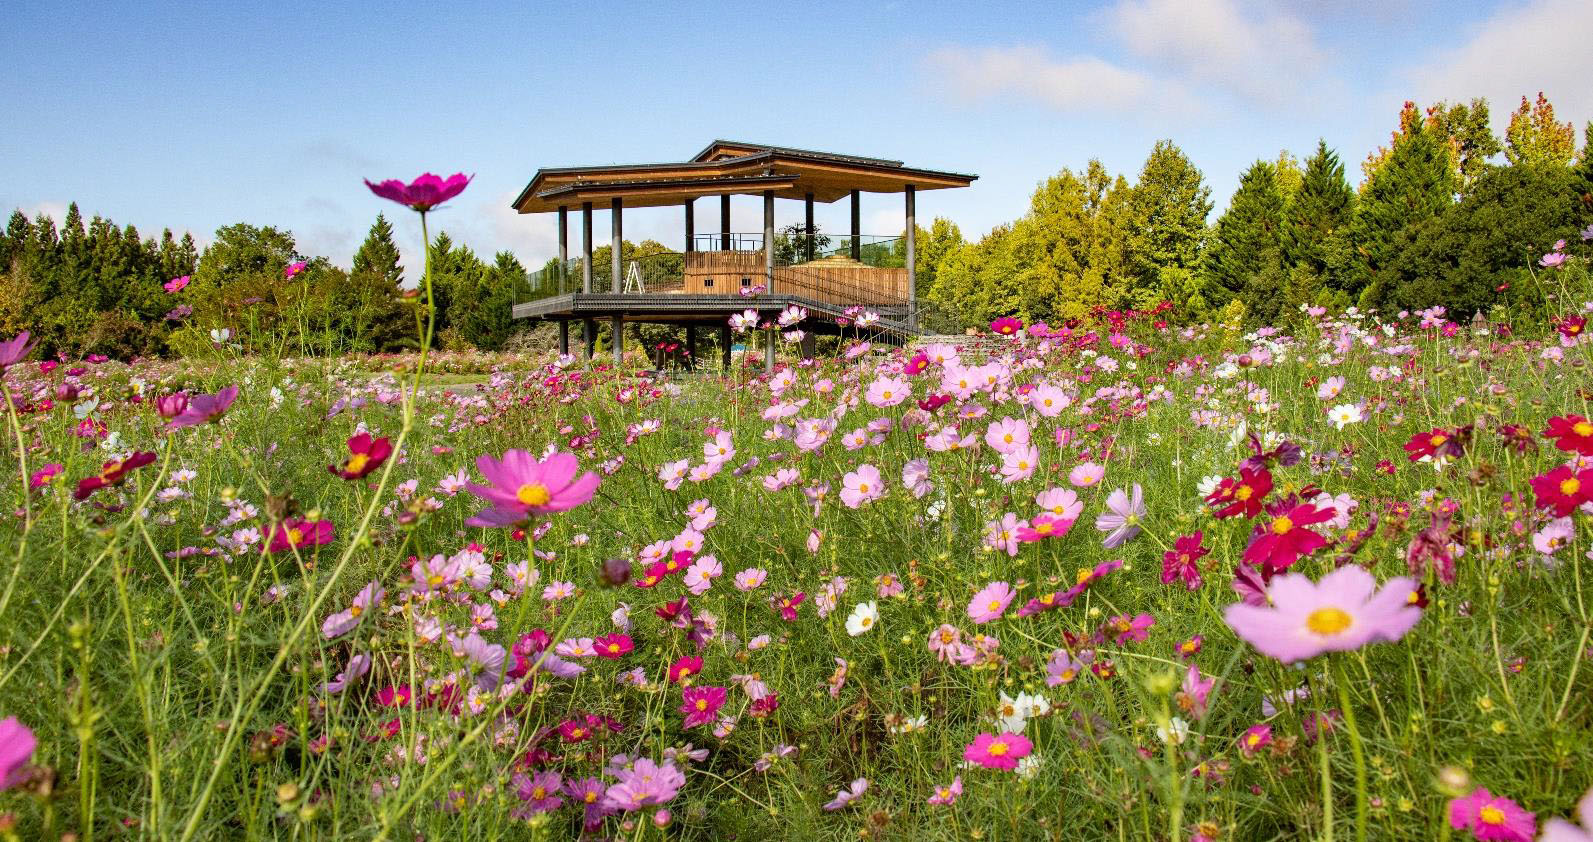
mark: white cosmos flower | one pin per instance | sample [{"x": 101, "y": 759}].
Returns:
[
  {"x": 863, "y": 618},
  {"x": 1345, "y": 414}
]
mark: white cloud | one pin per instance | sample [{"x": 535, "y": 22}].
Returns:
[
  {"x": 1520, "y": 50},
  {"x": 1078, "y": 83},
  {"x": 1257, "y": 53}
]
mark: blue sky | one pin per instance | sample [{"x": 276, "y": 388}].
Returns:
[{"x": 195, "y": 115}]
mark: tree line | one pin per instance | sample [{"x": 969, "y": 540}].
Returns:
[
  {"x": 1448, "y": 213},
  {"x": 96, "y": 287}
]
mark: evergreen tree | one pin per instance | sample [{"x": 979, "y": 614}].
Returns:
[
  {"x": 1319, "y": 212},
  {"x": 1168, "y": 209},
  {"x": 1414, "y": 184},
  {"x": 1248, "y": 236},
  {"x": 1535, "y": 137},
  {"x": 1582, "y": 185},
  {"x": 378, "y": 255},
  {"x": 378, "y": 319}
]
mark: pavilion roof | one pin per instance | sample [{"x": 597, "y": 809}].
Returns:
[{"x": 728, "y": 167}]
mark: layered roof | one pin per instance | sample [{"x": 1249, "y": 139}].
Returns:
[{"x": 726, "y": 167}]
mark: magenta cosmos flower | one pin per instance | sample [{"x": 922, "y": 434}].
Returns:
[
  {"x": 523, "y": 486},
  {"x": 991, "y": 602},
  {"x": 424, "y": 193},
  {"x": 1490, "y": 817},
  {"x": 998, "y": 751},
  {"x": 16, "y": 749},
  {"x": 294, "y": 533},
  {"x": 1343, "y": 611},
  {"x": 202, "y": 408},
  {"x": 14, "y": 350}
]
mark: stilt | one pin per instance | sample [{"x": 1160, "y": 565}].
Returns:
[
  {"x": 591, "y": 338},
  {"x": 691, "y": 347},
  {"x": 564, "y": 337},
  {"x": 768, "y": 351},
  {"x": 724, "y": 347},
  {"x": 617, "y": 328}
]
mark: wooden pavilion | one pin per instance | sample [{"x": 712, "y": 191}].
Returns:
[{"x": 720, "y": 274}]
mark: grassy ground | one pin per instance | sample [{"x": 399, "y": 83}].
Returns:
[{"x": 173, "y": 669}]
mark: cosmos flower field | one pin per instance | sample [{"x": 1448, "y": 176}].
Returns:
[{"x": 1110, "y": 580}]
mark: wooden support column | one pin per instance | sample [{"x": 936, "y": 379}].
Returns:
[
  {"x": 768, "y": 243},
  {"x": 617, "y": 328},
  {"x": 586, "y": 248},
  {"x": 807, "y": 201},
  {"x": 564, "y": 251},
  {"x": 590, "y": 327},
  {"x": 768, "y": 350},
  {"x": 857, "y": 224},
  {"x": 691, "y": 225},
  {"x": 912, "y": 260},
  {"x": 691, "y": 347},
  {"x": 724, "y": 222},
  {"x": 616, "y": 214},
  {"x": 564, "y": 336},
  {"x": 724, "y": 346}
]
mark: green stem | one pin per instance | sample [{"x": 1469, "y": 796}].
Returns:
[{"x": 1355, "y": 749}]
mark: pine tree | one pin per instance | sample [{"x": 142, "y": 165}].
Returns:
[
  {"x": 1169, "y": 207},
  {"x": 378, "y": 319},
  {"x": 1582, "y": 186},
  {"x": 1323, "y": 206},
  {"x": 1414, "y": 184},
  {"x": 379, "y": 254},
  {"x": 1534, "y": 137},
  {"x": 1247, "y": 236}
]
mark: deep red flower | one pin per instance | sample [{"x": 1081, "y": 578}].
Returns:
[
  {"x": 112, "y": 473},
  {"x": 1571, "y": 327},
  {"x": 1571, "y": 433},
  {"x": 1562, "y": 490},
  {"x": 424, "y": 193},
  {"x": 365, "y": 455},
  {"x": 684, "y": 668},
  {"x": 1244, "y": 495},
  {"x": 1182, "y": 561},
  {"x": 1431, "y": 444},
  {"x": 1277, "y": 544}
]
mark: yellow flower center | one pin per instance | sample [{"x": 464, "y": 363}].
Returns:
[
  {"x": 1281, "y": 526},
  {"x": 1328, "y": 621},
  {"x": 886, "y": 394},
  {"x": 295, "y": 535},
  {"x": 1438, "y": 440},
  {"x": 357, "y": 463},
  {"x": 947, "y": 637},
  {"x": 1582, "y": 428},
  {"x": 998, "y": 748},
  {"x": 539, "y": 792},
  {"x": 866, "y": 621},
  {"x": 434, "y": 579},
  {"x": 613, "y": 647},
  {"x": 533, "y": 494},
  {"x": 590, "y": 798},
  {"x": 1253, "y": 740},
  {"x": 1570, "y": 486},
  {"x": 702, "y": 704},
  {"x": 356, "y": 609},
  {"x": 1491, "y": 815},
  {"x": 862, "y": 487},
  {"x": 1243, "y": 492},
  {"x": 995, "y": 605},
  {"x": 1007, "y": 438}
]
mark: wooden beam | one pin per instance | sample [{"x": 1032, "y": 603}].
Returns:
[
  {"x": 586, "y": 255},
  {"x": 724, "y": 225},
  {"x": 857, "y": 225},
  {"x": 768, "y": 241},
  {"x": 912, "y": 258},
  {"x": 616, "y": 213},
  {"x": 564, "y": 256}
]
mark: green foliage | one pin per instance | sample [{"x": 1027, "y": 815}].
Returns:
[
  {"x": 1535, "y": 138},
  {"x": 1248, "y": 238},
  {"x": 1167, "y": 212},
  {"x": 1481, "y": 251},
  {"x": 1318, "y": 215},
  {"x": 1414, "y": 184},
  {"x": 1469, "y": 136}
]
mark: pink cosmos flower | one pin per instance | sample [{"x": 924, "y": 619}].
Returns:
[
  {"x": 1343, "y": 611},
  {"x": 1279, "y": 543},
  {"x": 644, "y": 784},
  {"x": 1060, "y": 503},
  {"x": 1020, "y": 464},
  {"x": 42, "y": 477},
  {"x": 14, "y": 350},
  {"x": 991, "y": 602},
  {"x": 295, "y": 533},
  {"x": 1491, "y": 817},
  {"x": 1122, "y": 520},
  {"x": 848, "y": 794},
  {"x": 1044, "y": 526},
  {"x": 888, "y": 391},
  {"x": 947, "y": 795},
  {"x": 293, "y": 269},
  {"x": 1192, "y": 696},
  {"x": 16, "y": 749},
  {"x": 701, "y": 704},
  {"x": 1255, "y": 738},
  {"x": 1182, "y": 562},
  {"x": 176, "y": 284},
  {"x": 424, "y": 193},
  {"x": 751, "y": 578},
  {"x": 521, "y": 485},
  {"x": 202, "y": 408},
  {"x": 998, "y": 751},
  {"x": 1008, "y": 435},
  {"x": 1086, "y": 474},
  {"x": 1002, "y": 535},
  {"x": 861, "y": 486}
]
